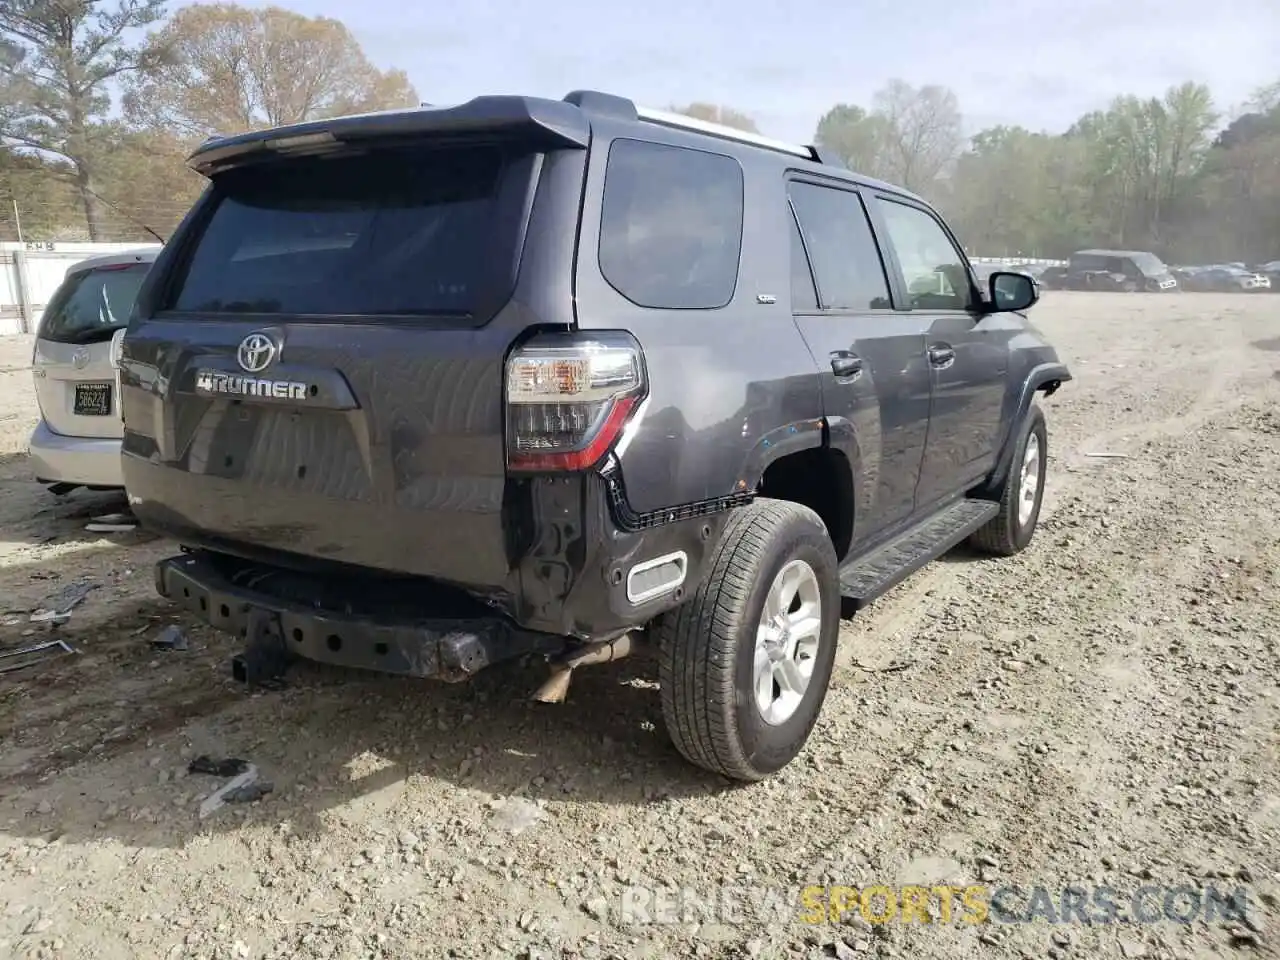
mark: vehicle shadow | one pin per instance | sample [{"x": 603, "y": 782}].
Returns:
[
  {"x": 95, "y": 745},
  {"x": 963, "y": 553}
]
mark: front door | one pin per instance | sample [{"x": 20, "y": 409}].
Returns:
[
  {"x": 875, "y": 377},
  {"x": 967, "y": 350}
]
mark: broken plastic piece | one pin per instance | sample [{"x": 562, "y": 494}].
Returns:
[
  {"x": 57, "y": 608},
  {"x": 172, "y": 637},
  {"x": 61, "y": 645},
  {"x": 235, "y": 790},
  {"x": 50, "y": 616}
]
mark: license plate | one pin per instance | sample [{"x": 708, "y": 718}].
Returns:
[{"x": 92, "y": 400}]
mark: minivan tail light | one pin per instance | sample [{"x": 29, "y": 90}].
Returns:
[
  {"x": 116, "y": 351},
  {"x": 568, "y": 400}
]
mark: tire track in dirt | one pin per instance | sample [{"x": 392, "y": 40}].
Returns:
[
  {"x": 1040, "y": 792},
  {"x": 1043, "y": 800}
]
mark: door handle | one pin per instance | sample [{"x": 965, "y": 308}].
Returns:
[
  {"x": 941, "y": 356},
  {"x": 846, "y": 365}
]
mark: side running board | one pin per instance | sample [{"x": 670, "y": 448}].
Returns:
[{"x": 865, "y": 578}]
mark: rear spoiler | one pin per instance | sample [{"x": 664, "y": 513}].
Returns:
[{"x": 553, "y": 123}]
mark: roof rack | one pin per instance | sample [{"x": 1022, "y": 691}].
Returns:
[{"x": 680, "y": 121}]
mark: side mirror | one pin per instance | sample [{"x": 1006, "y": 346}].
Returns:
[{"x": 1012, "y": 291}]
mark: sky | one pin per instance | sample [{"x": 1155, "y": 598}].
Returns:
[{"x": 1038, "y": 63}]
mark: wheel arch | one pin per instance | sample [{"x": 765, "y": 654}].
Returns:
[
  {"x": 1043, "y": 378},
  {"x": 822, "y": 479}
]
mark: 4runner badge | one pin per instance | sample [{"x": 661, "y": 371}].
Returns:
[{"x": 215, "y": 384}]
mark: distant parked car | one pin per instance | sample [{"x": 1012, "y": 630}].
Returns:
[
  {"x": 1187, "y": 277},
  {"x": 1123, "y": 271},
  {"x": 77, "y": 441},
  {"x": 1053, "y": 278},
  {"x": 1272, "y": 272},
  {"x": 1229, "y": 279}
]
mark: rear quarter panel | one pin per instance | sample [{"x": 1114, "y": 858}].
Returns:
[{"x": 730, "y": 389}]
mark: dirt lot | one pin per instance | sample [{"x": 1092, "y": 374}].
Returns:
[{"x": 1102, "y": 709}]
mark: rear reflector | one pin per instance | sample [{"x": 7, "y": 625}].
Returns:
[{"x": 656, "y": 577}]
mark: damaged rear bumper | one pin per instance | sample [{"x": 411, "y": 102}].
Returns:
[{"x": 320, "y": 621}]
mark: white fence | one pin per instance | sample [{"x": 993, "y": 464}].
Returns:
[{"x": 31, "y": 272}]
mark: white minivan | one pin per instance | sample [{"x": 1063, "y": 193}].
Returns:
[{"x": 77, "y": 441}]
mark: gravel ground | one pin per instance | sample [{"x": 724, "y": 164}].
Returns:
[{"x": 1101, "y": 710}]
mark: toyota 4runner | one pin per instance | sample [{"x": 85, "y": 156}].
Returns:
[{"x": 425, "y": 390}]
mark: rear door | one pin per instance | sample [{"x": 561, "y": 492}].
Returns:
[
  {"x": 875, "y": 379},
  {"x": 75, "y": 381},
  {"x": 968, "y": 350}
]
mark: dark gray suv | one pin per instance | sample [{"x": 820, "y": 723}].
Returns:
[{"x": 426, "y": 390}]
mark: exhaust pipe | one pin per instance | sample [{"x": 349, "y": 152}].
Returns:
[{"x": 556, "y": 687}]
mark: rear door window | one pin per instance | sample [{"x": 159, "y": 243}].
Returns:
[
  {"x": 392, "y": 232},
  {"x": 842, "y": 248},
  {"x": 804, "y": 296},
  {"x": 671, "y": 225},
  {"x": 92, "y": 304}
]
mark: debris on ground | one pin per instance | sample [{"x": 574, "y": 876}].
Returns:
[
  {"x": 32, "y": 655},
  {"x": 243, "y": 787},
  {"x": 113, "y": 523},
  {"x": 172, "y": 637},
  {"x": 57, "y": 608},
  {"x": 895, "y": 667}
]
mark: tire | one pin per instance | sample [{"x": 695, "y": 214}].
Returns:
[
  {"x": 1009, "y": 532},
  {"x": 707, "y": 647}
]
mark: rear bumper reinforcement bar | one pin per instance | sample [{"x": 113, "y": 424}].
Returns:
[{"x": 443, "y": 649}]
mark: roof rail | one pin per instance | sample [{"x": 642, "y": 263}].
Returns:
[{"x": 680, "y": 121}]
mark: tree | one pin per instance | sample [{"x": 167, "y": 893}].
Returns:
[
  {"x": 57, "y": 59},
  {"x": 911, "y": 136},
  {"x": 41, "y": 194},
  {"x": 856, "y": 138},
  {"x": 714, "y": 113},
  {"x": 232, "y": 69},
  {"x": 147, "y": 182},
  {"x": 922, "y": 129}
]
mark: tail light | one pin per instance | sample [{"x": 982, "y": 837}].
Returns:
[
  {"x": 568, "y": 399},
  {"x": 116, "y": 350}
]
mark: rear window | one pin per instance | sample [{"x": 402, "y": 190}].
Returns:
[
  {"x": 396, "y": 232},
  {"x": 92, "y": 304},
  {"x": 671, "y": 227}
]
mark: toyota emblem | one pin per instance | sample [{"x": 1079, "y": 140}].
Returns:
[{"x": 256, "y": 352}]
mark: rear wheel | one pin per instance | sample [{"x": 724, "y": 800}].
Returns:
[
  {"x": 1013, "y": 527},
  {"x": 746, "y": 661}
]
